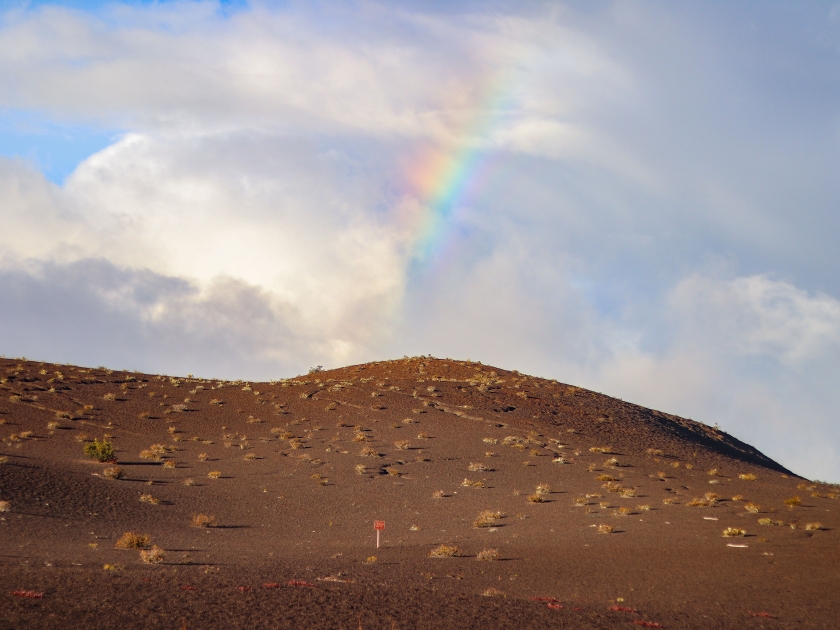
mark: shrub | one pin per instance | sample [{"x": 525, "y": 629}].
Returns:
[
  {"x": 368, "y": 451},
  {"x": 813, "y": 527},
  {"x": 133, "y": 540},
  {"x": 734, "y": 531},
  {"x": 113, "y": 472},
  {"x": 466, "y": 483},
  {"x": 581, "y": 501},
  {"x": 5, "y": 506},
  {"x": 487, "y": 518},
  {"x": 444, "y": 551},
  {"x": 488, "y": 554},
  {"x": 154, "y": 555},
  {"x": 623, "y": 511},
  {"x": 605, "y": 529},
  {"x": 170, "y": 463},
  {"x": 792, "y": 502},
  {"x": 543, "y": 488},
  {"x": 752, "y": 507},
  {"x": 438, "y": 494},
  {"x": 605, "y": 478},
  {"x": 747, "y": 477},
  {"x": 477, "y": 467},
  {"x": 402, "y": 445},
  {"x": 203, "y": 520},
  {"x": 360, "y": 469},
  {"x": 214, "y": 474},
  {"x": 148, "y": 498},
  {"x": 100, "y": 451},
  {"x": 536, "y": 498}
]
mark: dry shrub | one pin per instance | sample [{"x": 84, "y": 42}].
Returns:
[
  {"x": 360, "y": 469},
  {"x": 792, "y": 502},
  {"x": 669, "y": 501},
  {"x": 360, "y": 437},
  {"x": 402, "y": 445},
  {"x": 734, "y": 531},
  {"x": 623, "y": 511},
  {"x": 543, "y": 488},
  {"x": 739, "y": 497},
  {"x": 203, "y": 457},
  {"x": 747, "y": 477},
  {"x": 605, "y": 478},
  {"x": 466, "y": 483},
  {"x": 695, "y": 502},
  {"x": 214, "y": 474},
  {"x": 536, "y": 498},
  {"x": 203, "y": 520},
  {"x": 477, "y": 467},
  {"x": 100, "y": 451},
  {"x": 627, "y": 493},
  {"x": 601, "y": 449},
  {"x": 605, "y": 529},
  {"x": 488, "y": 554},
  {"x": 612, "y": 462},
  {"x": 170, "y": 463},
  {"x": 113, "y": 472},
  {"x": 148, "y": 498},
  {"x": 155, "y": 555},
  {"x": 643, "y": 508},
  {"x": 250, "y": 457},
  {"x": 368, "y": 451},
  {"x": 438, "y": 494},
  {"x": 487, "y": 518},
  {"x": 813, "y": 527},
  {"x": 444, "y": 551},
  {"x": 581, "y": 501},
  {"x": 189, "y": 481},
  {"x": 493, "y": 592},
  {"x": 133, "y": 540},
  {"x": 752, "y": 507},
  {"x": 150, "y": 454}
]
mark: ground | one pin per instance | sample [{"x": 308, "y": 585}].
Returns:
[{"x": 625, "y": 530}]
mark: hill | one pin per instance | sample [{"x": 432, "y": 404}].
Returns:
[{"x": 563, "y": 507}]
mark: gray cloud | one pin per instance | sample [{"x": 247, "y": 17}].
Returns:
[{"x": 654, "y": 216}]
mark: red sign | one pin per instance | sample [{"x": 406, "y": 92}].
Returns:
[{"x": 378, "y": 525}]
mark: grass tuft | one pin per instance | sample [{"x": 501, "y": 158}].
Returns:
[{"x": 444, "y": 551}]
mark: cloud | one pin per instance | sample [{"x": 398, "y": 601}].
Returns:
[{"x": 261, "y": 211}]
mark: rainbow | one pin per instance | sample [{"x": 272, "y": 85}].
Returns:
[{"x": 447, "y": 180}]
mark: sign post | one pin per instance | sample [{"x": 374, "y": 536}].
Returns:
[{"x": 378, "y": 526}]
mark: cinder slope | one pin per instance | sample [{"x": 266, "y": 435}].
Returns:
[{"x": 305, "y": 465}]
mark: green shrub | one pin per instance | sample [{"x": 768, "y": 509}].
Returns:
[{"x": 101, "y": 451}]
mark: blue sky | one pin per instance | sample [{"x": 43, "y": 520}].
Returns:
[{"x": 242, "y": 189}]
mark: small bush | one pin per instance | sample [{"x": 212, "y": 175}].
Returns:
[
  {"x": 813, "y": 527},
  {"x": 747, "y": 477},
  {"x": 402, "y": 445},
  {"x": 133, "y": 540},
  {"x": 623, "y": 511},
  {"x": 170, "y": 463},
  {"x": 148, "y": 498},
  {"x": 466, "y": 483},
  {"x": 792, "y": 502},
  {"x": 438, "y": 494},
  {"x": 113, "y": 472},
  {"x": 477, "y": 467},
  {"x": 100, "y": 451},
  {"x": 203, "y": 520},
  {"x": 488, "y": 554},
  {"x": 444, "y": 551},
  {"x": 581, "y": 501},
  {"x": 368, "y": 451},
  {"x": 487, "y": 518},
  {"x": 5, "y": 506},
  {"x": 214, "y": 474},
  {"x": 734, "y": 531},
  {"x": 543, "y": 488},
  {"x": 536, "y": 498},
  {"x": 154, "y": 555},
  {"x": 752, "y": 507},
  {"x": 605, "y": 529}
]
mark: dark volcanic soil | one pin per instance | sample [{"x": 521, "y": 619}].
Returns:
[{"x": 295, "y": 472}]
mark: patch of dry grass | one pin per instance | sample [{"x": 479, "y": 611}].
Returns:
[
  {"x": 155, "y": 555},
  {"x": 605, "y": 529},
  {"x": 203, "y": 520},
  {"x": 488, "y": 555},
  {"x": 734, "y": 531},
  {"x": 444, "y": 551},
  {"x": 487, "y": 518},
  {"x": 133, "y": 540}
]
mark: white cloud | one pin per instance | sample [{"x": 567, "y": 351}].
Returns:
[{"x": 259, "y": 214}]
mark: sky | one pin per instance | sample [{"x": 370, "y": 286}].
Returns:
[{"x": 640, "y": 198}]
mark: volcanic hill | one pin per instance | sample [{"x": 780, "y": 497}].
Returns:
[{"x": 252, "y": 505}]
